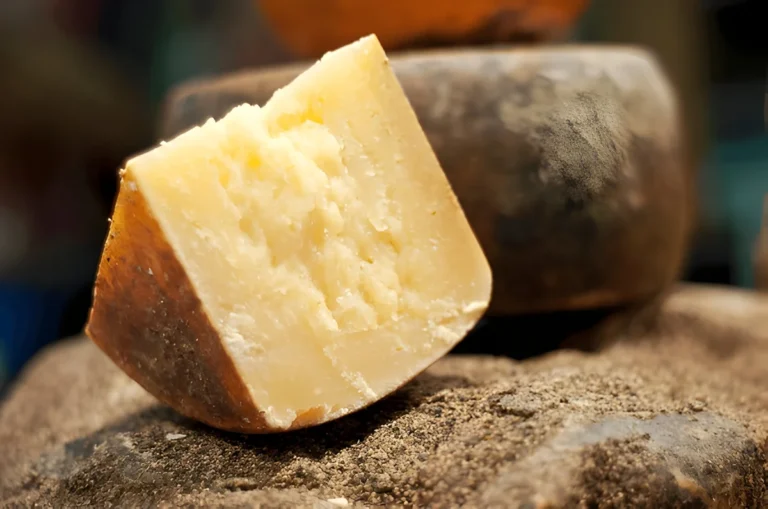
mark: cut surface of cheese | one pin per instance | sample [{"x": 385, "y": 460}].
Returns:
[{"x": 318, "y": 238}]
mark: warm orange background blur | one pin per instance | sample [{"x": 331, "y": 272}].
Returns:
[{"x": 311, "y": 27}]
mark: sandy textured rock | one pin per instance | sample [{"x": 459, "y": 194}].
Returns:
[
  {"x": 678, "y": 418},
  {"x": 568, "y": 162}
]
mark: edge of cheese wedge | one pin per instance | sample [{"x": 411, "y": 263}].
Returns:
[{"x": 289, "y": 264}]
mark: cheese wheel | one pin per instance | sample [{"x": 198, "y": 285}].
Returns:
[{"x": 568, "y": 161}]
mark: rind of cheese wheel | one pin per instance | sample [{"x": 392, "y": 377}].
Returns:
[
  {"x": 289, "y": 264},
  {"x": 568, "y": 162}
]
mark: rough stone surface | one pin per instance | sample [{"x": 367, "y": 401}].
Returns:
[
  {"x": 567, "y": 161},
  {"x": 675, "y": 418}
]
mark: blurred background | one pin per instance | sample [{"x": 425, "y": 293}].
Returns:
[{"x": 82, "y": 84}]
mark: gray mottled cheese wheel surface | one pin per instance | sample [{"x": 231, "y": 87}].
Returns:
[{"x": 567, "y": 161}]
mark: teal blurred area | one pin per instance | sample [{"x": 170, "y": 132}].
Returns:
[
  {"x": 82, "y": 84},
  {"x": 741, "y": 170}
]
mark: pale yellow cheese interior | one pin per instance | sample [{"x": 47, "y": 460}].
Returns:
[{"x": 322, "y": 238}]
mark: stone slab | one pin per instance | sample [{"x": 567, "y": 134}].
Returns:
[{"x": 677, "y": 417}]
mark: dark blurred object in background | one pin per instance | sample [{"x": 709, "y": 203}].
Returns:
[
  {"x": 761, "y": 252},
  {"x": 80, "y": 85},
  {"x": 68, "y": 116}
]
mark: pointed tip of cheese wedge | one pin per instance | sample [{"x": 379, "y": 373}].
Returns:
[
  {"x": 362, "y": 45},
  {"x": 290, "y": 264}
]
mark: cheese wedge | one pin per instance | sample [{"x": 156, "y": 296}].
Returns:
[{"x": 289, "y": 264}]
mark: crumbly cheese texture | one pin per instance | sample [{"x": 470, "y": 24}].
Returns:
[{"x": 322, "y": 238}]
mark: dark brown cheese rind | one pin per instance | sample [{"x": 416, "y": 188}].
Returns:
[
  {"x": 567, "y": 161},
  {"x": 147, "y": 318}
]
